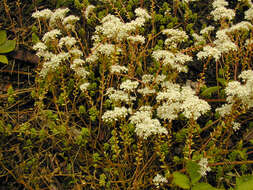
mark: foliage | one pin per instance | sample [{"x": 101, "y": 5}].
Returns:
[
  {"x": 6, "y": 46},
  {"x": 136, "y": 94}
]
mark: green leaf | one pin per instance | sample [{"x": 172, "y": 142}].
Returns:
[
  {"x": 181, "y": 180},
  {"x": 203, "y": 186},
  {"x": 35, "y": 38},
  {"x": 244, "y": 182},
  {"x": 209, "y": 91},
  {"x": 3, "y": 59},
  {"x": 222, "y": 81},
  {"x": 193, "y": 171},
  {"x": 3, "y": 36},
  {"x": 8, "y": 46}
]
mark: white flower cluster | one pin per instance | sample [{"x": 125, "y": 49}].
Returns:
[
  {"x": 115, "y": 115},
  {"x": 52, "y": 59},
  {"x": 175, "y": 36},
  {"x": 118, "y": 96},
  {"x": 148, "y": 79},
  {"x": 145, "y": 126},
  {"x": 114, "y": 30},
  {"x": 137, "y": 39},
  {"x": 198, "y": 39},
  {"x": 241, "y": 26},
  {"x": 248, "y": 15},
  {"x": 43, "y": 14},
  {"x": 204, "y": 168},
  {"x": 237, "y": 91},
  {"x": 129, "y": 86},
  {"x": 158, "y": 180},
  {"x": 175, "y": 60},
  {"x": 207, "y": 30},
  {"x": 236, "y": 126},
  {"x": 222, "y": 44},
  {"x": 176, "y": 99},
  {"x": 118, "y": 69},
  {"x": 102, "y": 49},
  {"x": 220, "y": 12},
  {"x": 88, "y": 10}
]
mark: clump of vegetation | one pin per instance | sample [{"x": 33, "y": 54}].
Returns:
[{"x": 115, "y": 105}]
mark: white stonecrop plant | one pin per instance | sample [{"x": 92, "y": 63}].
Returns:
[
  {"x": 112, "y": 33},
  {"x": 65, "y": 49},
  {"x": 175, "y": 59},
  {"x": 238, "y": 92}
]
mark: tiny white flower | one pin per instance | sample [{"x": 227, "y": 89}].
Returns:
[
  {"x": 76, "y": 52},
  {"x": 236, "y": 126},
  {"x": 137, "y": 39},
  {"x": 206, "y": 30},
  {"x": 51, "y": 35},
  {"x": 78, "y": 62},
  {"x": 118, "y": 69},
  {"x": 142, "y": 13},
  {"x": 204, "y": 168},
  {"x": 67, "y": 41},
  {"x": 45, "y": 13},
  {"x": 88, "y": 10},
  {"x": 57, "y": 15},
  {"x": 158, "y": 180},
  {"x": 129, "y": 85},
  {"x": 222, "y": 12},
  {"x": 39, "y": 46},
  {"x": 84, "y": 86},
  {"x": 71, "y": 19},
  {"x": 115, "y": 115}
]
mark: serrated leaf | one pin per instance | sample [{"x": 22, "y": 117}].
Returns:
[
  {"x": 3, "y": 36},
  {"x": 209, "y": 91},
  {"x": 3, "y": 59},
  {"x": 8, "y": 46},
  {"x": 244, "y": 182},
  {"x": 193, "y": 171},
  {"x": 181, "y": 180},
  {"x": 203, "y": 186}
]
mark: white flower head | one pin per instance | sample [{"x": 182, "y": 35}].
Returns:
[
  {"x": 223, "y": 13},
  {"x": 236, "y": 126},
  {"x": 249, "y": 14},
  {"x": 43, "y": 14},
  {"x": 158, "y": 180},
  {"x": 115, "y": 115},
  {"x": 58, "y": 14},
  {"x": 71, "y": 19},
  {"x": 142, "y": 13},
  {"x": 219, "y": 3},
  {"x": 137, "y": 39},
  {"x": 149, "y": 127},
  {"x": 76, "y": 52},
  {"x": 129, "y": 85},
  {"x": 84, "y": 86},
  {"x": 88, "y": 10},
  {"x": 207, "y": 30},
  {"x": 39, "y": 46},
  {"x": 204, "y": 168},
  {"x": 118, "y": 69},
  {"x": 174, "y": 36},
  {"x": 51, "y": 35},
  {"x": 67, "y": 41},
  {"x": 209, "y": 51}
]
